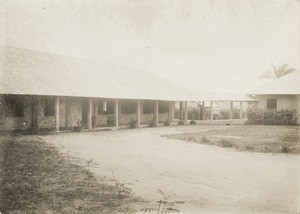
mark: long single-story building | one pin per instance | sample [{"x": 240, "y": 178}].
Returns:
[
  {"x": 40, "y": 90},
  {"x": 281, "y": 93}
]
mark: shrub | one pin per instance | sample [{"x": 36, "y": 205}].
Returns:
[
  {"x": 78, "y": 126},
  {"x": 181, "y": 122},
  {"x": 167, "y": 122},
  {"x": 133, "y": 123},
  {"x": 225, "y": 143},
  {"x": 291, "y": 137},
  {"x": 153, "y": 122},
  {"x": 164, "y": 205},
  {"x": 286, "y": 149},
  {"x": 111, "y": 121},
  {"x": 192, "y": 139},
  {"x": 225, "y": 114},
  {"x": 272, "y": 117},
  {"x": 193, "y": 122},
  {"x": 205, "y": 140},
  {"x": 249, "y": 146},
  {"x": 193, "y": 114}
]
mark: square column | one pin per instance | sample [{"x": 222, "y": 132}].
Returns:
[
  {"x": 57, "y": 114},
  {"x": 117, "y": 113},
  {"x": 180, "y": 110},
  {"x": 89, "y": 114},
  {"x": 211, "y": 111},
  {"x": 185, "y": 111},
  {"x": 138, "y": 113},
  {"x": 203, "y": 110},
  {"x": 156, "y": 112},
  {"x": 173, "y": 111},
  {"x": 241, "y": 110},
  {"x": 231, "y": 112},
  {"x": 200, "y": 111},
  {"x": 170, "y": 113}
]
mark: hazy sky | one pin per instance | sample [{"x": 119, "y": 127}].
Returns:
[{"x": 207, "y": 45}]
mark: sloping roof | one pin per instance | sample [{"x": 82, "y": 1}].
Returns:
[
  {"x": 211, "y": 96},
  {"x": 24, "y": 71},
  {"x": 288, "y": 84}
]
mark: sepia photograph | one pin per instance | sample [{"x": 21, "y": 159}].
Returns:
[{"x": 149, "y": 106}]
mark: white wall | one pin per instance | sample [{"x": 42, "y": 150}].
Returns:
[{"x": 291, "y": 102}]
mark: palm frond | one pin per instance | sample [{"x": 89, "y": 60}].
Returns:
[
  {"x": 277, "y": 72},
  {"x": 268, "y": 75},
  {"x": 170, "y": 209},
  {"x": 179, "y": 202},
  {"x": 148, "y": 209},
  {"x": 164, "y": 196}
]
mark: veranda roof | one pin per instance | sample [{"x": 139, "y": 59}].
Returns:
[
  {"x": 24, "y": 71},
  {"x": 288, "y": 84},
  {"x": 211, "y": 96}
]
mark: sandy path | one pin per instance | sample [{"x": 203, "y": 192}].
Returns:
[{"x": 208, "y": 178}]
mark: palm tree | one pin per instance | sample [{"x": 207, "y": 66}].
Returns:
[{"x": 278, "y": 72}]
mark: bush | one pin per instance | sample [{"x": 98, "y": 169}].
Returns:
[
  {"x": 286, "y": 149},
  {"x": 193, "y": 114},
  {"x": 249, "y": 146},
  {"x": 225, "y": 114},
  {"x": 167, "y": 122},
  {"x": 225, "y": 142},
  {"x": 153, "y": 122},
  {"x": 205, "y": 140},
  {"x": 181, "y": 122},
  {"x": 193, "y": 122},
  {"x": 111, "y": 121},
  {"x": 272, "y": 117},
  {"x": 133, "y": 123}
]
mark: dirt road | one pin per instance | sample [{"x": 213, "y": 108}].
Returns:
[{"x": 208, "y": 178}]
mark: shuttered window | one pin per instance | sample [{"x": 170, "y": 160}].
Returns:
[{"x": 271, "y": 103}]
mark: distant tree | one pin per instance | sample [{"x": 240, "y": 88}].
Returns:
[{"x": 278, "y": 72}]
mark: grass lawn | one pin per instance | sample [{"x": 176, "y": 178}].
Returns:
[
  {"x": 270, "y": 139},
  {"x": 36, "y": 178}
]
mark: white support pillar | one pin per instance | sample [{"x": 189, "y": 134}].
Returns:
[
  {"x": 180, "y": 110},
  {"x": 170, "y": 112},
  {"x": 138, "y": 113},
  {"x": 57, "y": 114},
  {"x": 96, "y": 107},
  {"x": 200, "y": 107},
  {"x": 231, "y": 112},
  {"x": 203, "y": 110},
  {"x": 173, "y": 111},
  {"x": 211, "y": 111},
  {"x": 117, "y": 113},
  {"x": 185, "y": 111},
  {"x": 156, "y": 112},
  {"x": 89, "y": 114},
  {"x": 241, "y": 110}
]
